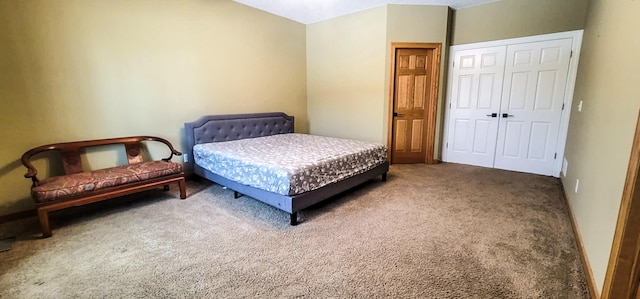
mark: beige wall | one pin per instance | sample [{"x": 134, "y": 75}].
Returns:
[
  {"x": 420, "y": 24},
  {"x": 600, "y": 137},
  {"x": 346, "y": 75},
  {"x": 348, "y": 66},
  {"x": 517, "y": 18},
  {"x": 75, "y": 70}
]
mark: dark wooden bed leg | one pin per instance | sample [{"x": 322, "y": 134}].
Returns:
[
  {"x": 236, "y": 194},
  {"x": 384, "y": 177},
  {"x": 294, "y": 218},
  {"x": 166, "y": 188}
]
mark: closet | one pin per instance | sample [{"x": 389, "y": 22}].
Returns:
[{"x": 508, "y": 102}]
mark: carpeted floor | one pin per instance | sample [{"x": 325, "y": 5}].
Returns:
[{"x": 430, "y": 231}]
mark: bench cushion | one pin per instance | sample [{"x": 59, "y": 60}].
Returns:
[{"x": 58, "y": 187}]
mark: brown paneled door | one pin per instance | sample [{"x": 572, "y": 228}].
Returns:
[{"x": 414, "y": 93}]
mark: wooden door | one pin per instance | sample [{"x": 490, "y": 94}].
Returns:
[{"x": 414, "y": 94}]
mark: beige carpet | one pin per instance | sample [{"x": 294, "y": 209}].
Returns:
[{"x": 439, "y": 231}]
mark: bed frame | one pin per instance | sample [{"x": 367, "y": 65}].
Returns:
[{"x": 217, "y": 128}]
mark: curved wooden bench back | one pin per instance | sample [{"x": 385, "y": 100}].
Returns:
[{"x": 70, "y": 152}]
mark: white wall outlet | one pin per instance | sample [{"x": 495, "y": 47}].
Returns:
[
  {"x": 580, "y": 106},
  {"x": 185, "y": 157},
  {"x": 565, "y": 165},
  {"x": 577, "y": 185}
]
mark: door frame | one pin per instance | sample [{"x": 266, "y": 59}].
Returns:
[
  {"x": 576, "y": 37},
  {"x": 623, "y": 271},
  {"x": 431, "y": 106}
]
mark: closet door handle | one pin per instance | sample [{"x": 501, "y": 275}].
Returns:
[
  {"x": 505, "y": 115},
  {"x": 493, "y": 114}
]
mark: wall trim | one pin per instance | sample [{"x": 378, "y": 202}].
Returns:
[
  {"x": 591, "y": 282},
  {"x": 18, "y": 215},
  {"x": 623, "y": 270}
]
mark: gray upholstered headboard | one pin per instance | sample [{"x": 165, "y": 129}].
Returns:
[{"x": 216, "y": 128}]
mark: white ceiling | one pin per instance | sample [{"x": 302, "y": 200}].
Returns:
[{"x": 311, "y": 11}]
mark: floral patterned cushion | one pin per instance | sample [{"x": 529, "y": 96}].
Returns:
[{"x": 69, "y": 185}]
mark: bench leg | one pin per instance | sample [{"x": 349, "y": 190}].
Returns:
[
  {"x": 44, "y": 223},
  {"x": 183, "y": 188}
]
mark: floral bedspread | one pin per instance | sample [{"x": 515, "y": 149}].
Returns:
[{"x": 289, "y": 164}]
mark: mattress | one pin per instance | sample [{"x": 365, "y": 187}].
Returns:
[{"x": 289, "y": 164}]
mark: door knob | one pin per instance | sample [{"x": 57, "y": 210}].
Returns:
[
  {"x": 505, "y": 115},
  {"x": 493, "y": 114},
  {"x": 396, "y": 114}
]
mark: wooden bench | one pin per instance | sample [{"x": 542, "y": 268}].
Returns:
[{"x": 79, "y": 187}]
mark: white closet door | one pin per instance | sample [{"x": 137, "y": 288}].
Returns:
[
  {"x": 475, "y": 104},
  {"x": 531, "y": 108}
]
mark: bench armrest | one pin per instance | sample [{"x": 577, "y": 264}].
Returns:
[
  {"x": 167, "y": 143},
  {"x": 32, "y": 172}
]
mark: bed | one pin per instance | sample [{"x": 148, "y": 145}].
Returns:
[{"x": 234, "y": 133}]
